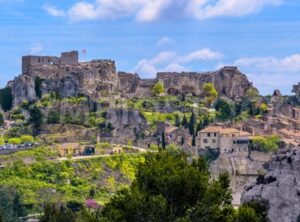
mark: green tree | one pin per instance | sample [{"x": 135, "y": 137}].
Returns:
[
  {"x": 36, "y": 118},
  {"x": 263, "y": 108},
  {"x": 167, "y": 188},
  {"x": 246, "y": 214},
  {"x": 265, "y": 143},
  {"x": 185, "y": 122},
  {"x": 158, "y": 88},
  {"x": 38, "y": 85},
  {"x": 194, "y": 140},
  {"x": 192, "y": 123},
  {"x": 177, "y": 120},
  {"x": 163, "y": 140},
  {"x": 210, "y": 93},
  {"x": 11, "y": 206},
  {"x": 252, "y": 93},
  {"x": 224, "y": 110},
  {"x": 6, "y": 98},
  {"x": 53, "y": 117},
  {"x": 1, "y": 119}
]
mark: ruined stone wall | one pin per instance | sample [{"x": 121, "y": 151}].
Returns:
[
  {"x": 69, "y": 58},
  {"x": 28, "y": 61}
]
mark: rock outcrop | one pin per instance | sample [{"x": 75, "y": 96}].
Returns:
[
  {"x": 242, "y": 169},
  {"x": 67, "y": 77},
  {"x": 228, "y": 81},
  {"x": 23, "y": 88},
  {"x": 280, "y": 187}
]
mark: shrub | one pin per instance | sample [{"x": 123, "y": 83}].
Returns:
[
  {"x": 266, "y": 144},
  {"x": 27, "y": 139},
  {"x": 158, "y": 88},
  {"x": 53, "y": 118},
  {"x": 15, "y": 141},
  {"x": 1, "y": 141}
]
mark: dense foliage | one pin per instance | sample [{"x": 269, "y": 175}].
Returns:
[
  {"x": 158, "y": 88},
  {"x": 210, "y": 93},
  {"x": 168, "y": 188},
  {"x": 1, "y": 119},
  {"x": 49, "y": 181},
  {"x": 265, "y": 143},
  {"x": 6, "y": 98},
  {"x": 11, "y": 207}
]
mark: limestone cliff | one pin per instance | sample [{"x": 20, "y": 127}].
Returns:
[
  {"x": 67, "y": 77},
  {"x": 242, "y": 169},
  {"x": 280, "y": 187},
  {"x": 228, "y": 81}
]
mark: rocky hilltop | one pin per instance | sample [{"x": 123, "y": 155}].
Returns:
[
  {"x": 280, "y": 187},
  {"x": 68, "y": 77}
]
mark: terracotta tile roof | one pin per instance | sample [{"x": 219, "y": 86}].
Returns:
[
  {"x": 221, "y": 130},
  {"x": 294, "y": 133}
]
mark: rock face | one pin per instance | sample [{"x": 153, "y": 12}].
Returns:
[
  {"x": 229, "y": 82},
  {"x": 280, "y": 187},
  {"x": 67, "y": 77},
  {"x": 23, "y": 88},
  {"x": 242, "y": 169}
]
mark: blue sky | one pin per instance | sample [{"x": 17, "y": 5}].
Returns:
[{"x": 261, "y": 37}]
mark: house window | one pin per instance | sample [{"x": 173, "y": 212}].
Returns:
[
  {"x": 214, "y": 141},
  {"x": 204, "y": 140},
  {"x": 215, "y": 134},
  {"x": 208, "y": 135}
]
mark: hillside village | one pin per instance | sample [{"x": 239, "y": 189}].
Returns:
[{"x": 88, "y": 108}]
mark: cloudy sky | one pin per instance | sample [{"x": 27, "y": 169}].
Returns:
[{"x": 261, "y": 37}]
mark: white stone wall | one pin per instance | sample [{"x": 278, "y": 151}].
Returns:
[{"x": 212, "y": 140}]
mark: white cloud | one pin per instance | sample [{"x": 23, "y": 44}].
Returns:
[
  {"x": 37, "y": 48},
  {"x": 172, "y": 62},
  {"x": 203, "y": 9},
  {"x": 153, "y": 10},
  {"x": 203, "y": 54},
  {"x": 269, "y": 73},
  {"x": 51, "y": 10},
  {"x": 165, "y": 41}
]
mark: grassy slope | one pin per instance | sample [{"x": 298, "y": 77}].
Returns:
[{"x": 46, "y": 181}]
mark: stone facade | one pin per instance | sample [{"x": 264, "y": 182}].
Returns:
[
  {"x": 227, "y": 140},
  {"x": 67, "y": 58},
  {"x": 296, "y": 90}
]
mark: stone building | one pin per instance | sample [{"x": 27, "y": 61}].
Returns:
[
  {"x": 296, "y": 90},
  {"x": 226, "y": 140},
  {"x": 66, "y": 58}
]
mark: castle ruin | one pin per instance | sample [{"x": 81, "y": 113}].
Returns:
[
  {"x": 66, "y": 58},
  {"x": 296, "y": 90}
]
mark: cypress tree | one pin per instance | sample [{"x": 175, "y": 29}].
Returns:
[
  {"x": 177, "y": 120},
  {"x": 163, "y": 140},
  {"x": 192, "y": 123},
  {"x": 184, "y": 122}
]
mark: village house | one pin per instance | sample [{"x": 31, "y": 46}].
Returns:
[
  {"x": 226, "y": 140},
  {"x": 74, "y": 149}
]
